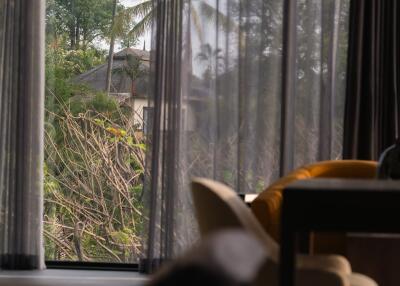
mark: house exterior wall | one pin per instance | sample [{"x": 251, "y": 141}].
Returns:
[{"x": 138, "y": 104}]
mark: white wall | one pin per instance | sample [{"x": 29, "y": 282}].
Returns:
[{"x": 137, "y": 105}]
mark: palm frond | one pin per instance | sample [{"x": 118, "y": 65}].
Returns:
[
  {"x": 121, "y": 22},
  {"x": 202, "y": 57},
  {"x": 214, "y": 15},
  {"x": 197, "y": 24},
  {"x": 125, "y": 19},
  {"x": 140, "y": 10},
  {"x": 142, "y": 26}
]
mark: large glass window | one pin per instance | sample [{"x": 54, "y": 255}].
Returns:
[
  {"x": 219, "y": 104},
  {"x": 94, "y": 141}
]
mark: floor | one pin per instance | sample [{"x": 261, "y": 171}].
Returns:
[
  {"x": 377, "y": 256},
  {"x": 71, "y": 277}
]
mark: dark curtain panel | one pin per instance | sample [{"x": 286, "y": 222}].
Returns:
[
  {"x": 161, "y": 183},
  {"x": 371, "y": 112}
]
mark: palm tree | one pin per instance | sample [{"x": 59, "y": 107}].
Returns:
[
  {"x": 111, "y": 50},
  {"x": 134, "y": 69},
  {"x": 145, "y": 12},
  {"x": 210, "y": 58}
]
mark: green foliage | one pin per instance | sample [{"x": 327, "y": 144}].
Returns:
[
  {"x": 50, "y": 185},
  {"x": 61, "y": 66},
  {"x": 81, "y": 22},
  {"x": 90, "y": 100},
  {"x": 93, "y": 182},
  {"x": 142, "y": 11},
  {"x": 103, "y": 103},
  {"x": 64, "y": 63},
  {"x": 93, "y": 161},
  {"x": 133, "y": 67},
  {"x": 123, "y": 24}
]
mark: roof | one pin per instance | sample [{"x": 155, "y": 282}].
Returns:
[
  {"x": 121, "y": 82},
  {"x": 121, "y": 55}
]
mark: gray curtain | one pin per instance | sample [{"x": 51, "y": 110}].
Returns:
[
  {"x": 244, "y": 92},
  {"x": 21, "y": 128}
]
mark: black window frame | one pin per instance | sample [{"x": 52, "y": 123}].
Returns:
[{"x": 87, "y": 265}]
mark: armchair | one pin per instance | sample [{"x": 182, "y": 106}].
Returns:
[
  {"x": 218, "y": 207},
  {"x": 267, "y": 206}
]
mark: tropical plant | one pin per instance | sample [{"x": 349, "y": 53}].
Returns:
[
  {"x": 93, "y": 184},
  {"x": 94, "y": 159},
  {"x": 111, "y": 49},
  {"x": 144, "y": 12},
  {"x": 80, "y": 21},
  {"x": 211, "y": 58},
  {"x": 134, "y": 69}
]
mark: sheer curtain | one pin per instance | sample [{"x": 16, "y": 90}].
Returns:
[
  {"x": 245, "y": 91},
  {"x": 21, "y": 127}
]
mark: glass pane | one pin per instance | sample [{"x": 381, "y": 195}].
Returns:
[
  {"x": 322, "y": 33},
  {"x": 94, "y": 141}
]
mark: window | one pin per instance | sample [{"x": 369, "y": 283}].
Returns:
[
  {"x": 220, "y": 104},
  {"x": 94, "y": 143}
]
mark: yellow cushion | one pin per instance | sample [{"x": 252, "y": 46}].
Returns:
[{"x": 267, "y": 206}]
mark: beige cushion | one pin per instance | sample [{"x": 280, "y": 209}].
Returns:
[
  {"x": 324, "y": 262},
  {"x": 357, "y": 279}
]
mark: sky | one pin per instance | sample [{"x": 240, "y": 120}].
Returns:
[{"x": 129, "y": 2}]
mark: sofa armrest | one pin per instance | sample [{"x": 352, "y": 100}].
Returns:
[
  {"x": 321, "y": 277},
  {"x": 334, "y": 263},
  {"x": 269, "y": 275}
]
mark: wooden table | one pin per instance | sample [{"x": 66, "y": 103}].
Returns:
[{"x": 335, "y": 205}]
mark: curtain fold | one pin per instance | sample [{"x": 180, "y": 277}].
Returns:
[
  {"x": 289, "y": 70},
  {"x": 244, "y": 91},
  {"x": 163, "y": 140},
  {"x": 21, "y": 140},
  {"x": 372, "y": 100}
]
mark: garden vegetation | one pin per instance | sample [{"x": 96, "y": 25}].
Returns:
[{"x": 94, "y": 153}]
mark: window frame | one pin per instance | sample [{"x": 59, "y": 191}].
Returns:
[{"x": 86, "y": 265}]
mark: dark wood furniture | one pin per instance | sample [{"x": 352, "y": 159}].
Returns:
[
  {"x": 375, "y": 255},
  {"x": 365, "y": 206}
]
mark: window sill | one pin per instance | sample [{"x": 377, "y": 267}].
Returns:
[{"x": 71, "y": 277}]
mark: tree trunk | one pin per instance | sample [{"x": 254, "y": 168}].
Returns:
[
  {"x": 84, "y": 39},
  {"x": 72, "y": 26},
  {"x": 77, "y": 34},
  {"x": 133, "y": 88},
  {"x": 72, "y": 36},
  {"x": 111, "y": 51}
]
